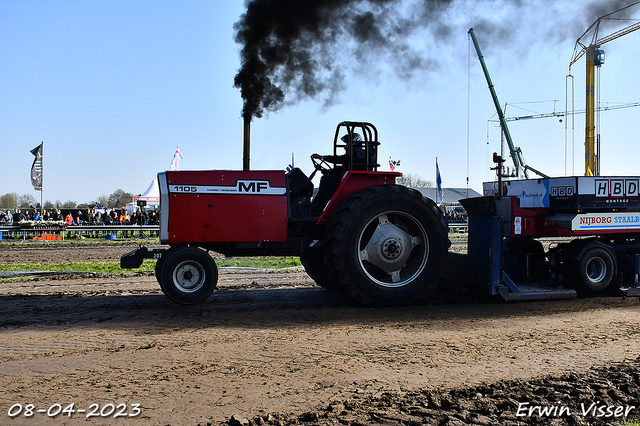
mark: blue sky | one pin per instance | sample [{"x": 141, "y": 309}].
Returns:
[{"x": 113, "y": 87}]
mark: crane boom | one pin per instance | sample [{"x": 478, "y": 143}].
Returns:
[
  {"x": 567, "y": 113},
  {"x": 578, "y": 52},
  {"x": 516, "y": 153},
  {"x": 595, "y": 58},
  {"x": 619, "y": 33}
]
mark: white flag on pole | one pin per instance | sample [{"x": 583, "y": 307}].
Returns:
[{"x": 176, "y": 157}]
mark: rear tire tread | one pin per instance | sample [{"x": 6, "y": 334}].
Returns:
[{"x": 339, "y": 236}]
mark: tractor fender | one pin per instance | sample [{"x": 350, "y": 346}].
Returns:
[{"x": 354, "y": 181}]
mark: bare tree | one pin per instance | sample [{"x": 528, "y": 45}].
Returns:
[
  {"x": 413, "y": 180},
  {"x": 102, "y": 201},
  {"x": 119, "y": 199},
  {"x": 9, "y": 201},
  {"x": 26, "y": 200},
  {"x": 13, "y": 200}
]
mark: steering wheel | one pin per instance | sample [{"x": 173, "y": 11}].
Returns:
[{"x": 320, "y": 165}]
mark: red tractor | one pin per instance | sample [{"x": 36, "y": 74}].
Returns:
[{"x": 359, "y": 234}]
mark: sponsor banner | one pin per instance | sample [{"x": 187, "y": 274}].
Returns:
[
  {"x": 548, "y": 193},
  {"x": 609, "y": 192},
  {"x": 243, "y": 187},
  {"x": 606, "y": 221},
  {"x": 533, "y": 193},
  {"x": 584, "y": 192},
  {"x": 151, "y": 199},
  {"x": 605, "y": 187},
  {"x": 616, "y": 188},
  {"x": 562, "y": 193}
]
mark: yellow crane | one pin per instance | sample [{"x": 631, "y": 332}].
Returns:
[{"x": 595, "y": 58}]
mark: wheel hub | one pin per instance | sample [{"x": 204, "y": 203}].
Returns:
[
  {"x": 392, "y": 248},
  {"x": 596, "y": 270},
  {"x": 389, "y": 248},
  {"x": 188, "y": 277}
]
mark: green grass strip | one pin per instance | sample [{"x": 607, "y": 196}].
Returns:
[
  {"x": 113, "y": 267},
  {"x": 274, "y": 262}
]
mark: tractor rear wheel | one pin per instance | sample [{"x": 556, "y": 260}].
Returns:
[
  {"x": 313, "y": 263},
  {"x": 188, "y": 275},
  {"x": 386, "y": 245}
]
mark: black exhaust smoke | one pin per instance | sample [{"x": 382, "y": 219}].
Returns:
[
  {"x": 293, "y": 50},
  {"x": 301, "y": 49}
]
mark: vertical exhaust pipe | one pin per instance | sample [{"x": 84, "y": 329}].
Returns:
[{"x": 246, "y": 151}]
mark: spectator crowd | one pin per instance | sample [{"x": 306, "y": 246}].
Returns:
[
  {"x": 456, "y": 217},
  {"x": 94, "y": 216}
]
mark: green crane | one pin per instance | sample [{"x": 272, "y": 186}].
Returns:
[{"x": 516, "y": 152}]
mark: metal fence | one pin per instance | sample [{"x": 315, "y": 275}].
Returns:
[
  {"x": 458, "y": 227},
  {"x": 109, "y": 232}
]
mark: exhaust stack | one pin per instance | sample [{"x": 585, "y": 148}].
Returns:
[{"x": 246, "y": 151}]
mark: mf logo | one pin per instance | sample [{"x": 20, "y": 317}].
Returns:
[
  {"x": 262, "y": 187},
  {"x": 616, "y": 188},
  {"x": 253, "y": 185}
]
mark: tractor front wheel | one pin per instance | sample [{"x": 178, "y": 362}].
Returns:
[
  {"x": 158, "y": 268},
  {"x": 386, "y": 245},
  {"x": 188, "y": 275}
]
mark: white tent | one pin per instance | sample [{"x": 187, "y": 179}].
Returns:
[{"x": 151, "y": 196}]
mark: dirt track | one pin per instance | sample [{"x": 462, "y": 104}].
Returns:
[{"x": 270, "y": 343}]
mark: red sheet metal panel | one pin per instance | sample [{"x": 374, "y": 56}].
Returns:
[
  {"x": 246, "y": 218},
  {"x": 227, "y": 206}
]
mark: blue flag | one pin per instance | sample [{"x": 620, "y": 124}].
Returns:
[{"x": 440, "y": 194}]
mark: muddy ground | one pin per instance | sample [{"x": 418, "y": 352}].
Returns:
[{"x": 272, "y": 348}]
